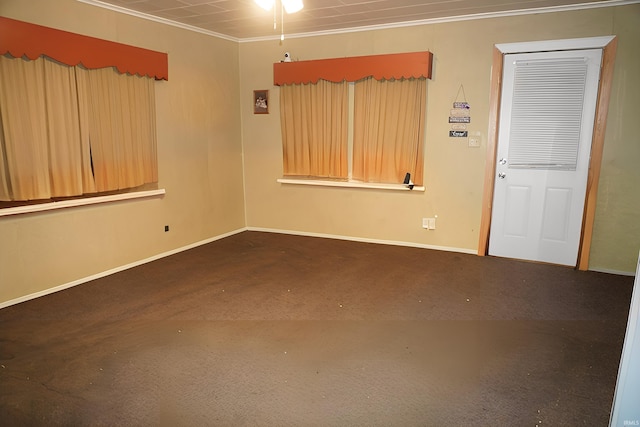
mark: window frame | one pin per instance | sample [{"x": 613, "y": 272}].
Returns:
[{"x": 351, "y": 69}]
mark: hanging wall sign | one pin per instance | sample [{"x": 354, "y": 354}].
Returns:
[
  {"x": 459, "y": 112},
  {"x": 459, "y": 120},
  {"x": 462, "y": 105},
  {"x": 459, "y": 116},
  {"x": 458, "y": 133}
]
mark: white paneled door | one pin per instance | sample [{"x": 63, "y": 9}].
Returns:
[{"x": 544, "y": 143}]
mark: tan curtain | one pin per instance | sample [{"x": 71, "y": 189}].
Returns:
[
  {"x": 67, "y": 131},
  {"x": 88, "y": 182},
  {"x": 40, "y": 145},
  {"x": 66, "y": 147},
  {"x": 121, "y": 122},
  {"x": 388, "y": 130},
  {"x": 22, "y": 94},
  {"x": 314, "y": 122},
  {"x": 143, "y": 125}
]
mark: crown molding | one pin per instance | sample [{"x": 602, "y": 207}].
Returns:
[
  {"x": 470, "y": 17},
  {"x": 159, "y": 20}
]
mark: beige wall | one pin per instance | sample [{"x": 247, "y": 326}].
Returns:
[
  {"x": 616, "y": 238},
  {"x": 206, "y": 126},
  {"x": 454, "y": 172},
  {"x": 199, "y": 155}
]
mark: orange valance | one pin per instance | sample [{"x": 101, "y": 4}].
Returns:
[
  {"x": 24, "y": 39},
  {"x": 380, "y": 67}
]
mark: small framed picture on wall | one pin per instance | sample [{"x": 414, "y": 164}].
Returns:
[{"x": 260, "y": 102}]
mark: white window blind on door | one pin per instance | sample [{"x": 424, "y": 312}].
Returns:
[{"x": 548, "y": 97}]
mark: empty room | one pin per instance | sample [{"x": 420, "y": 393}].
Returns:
[{"x": 318, "y": 213}]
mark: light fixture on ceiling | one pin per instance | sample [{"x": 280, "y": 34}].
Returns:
[{"x": 291, "y": 6}]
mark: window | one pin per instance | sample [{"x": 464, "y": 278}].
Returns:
[
  {"x": 68, "y": 131},
  {"x": 368, "y": 131},
  {"x": 77, "y": 118}
]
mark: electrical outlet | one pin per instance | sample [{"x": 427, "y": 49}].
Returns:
[
  {"x": 429, "y": 223},
  {"x": 166, "y": 228},
  {"x": 475, "y": 139},
  {"x": 432, "y": 223}
]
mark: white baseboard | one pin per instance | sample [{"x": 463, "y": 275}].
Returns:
[
  {"x": 366, "y": 240},
  {"x": 407, "y": 244},
  {"x": 231, "y": 233},
  {"x": 608, "y": 271},
  {"x": 114, "y": 270}
]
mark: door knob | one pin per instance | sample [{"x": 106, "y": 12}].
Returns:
[{"x": 502, "y": 175}]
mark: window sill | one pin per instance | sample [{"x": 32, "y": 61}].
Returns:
[
  {"x": 79, "y": 202},
  {"x": 349, "y": 184}
]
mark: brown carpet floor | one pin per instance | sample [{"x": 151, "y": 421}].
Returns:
[{"x": 277, "y": 330}]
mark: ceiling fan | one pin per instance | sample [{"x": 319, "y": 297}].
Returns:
[{"x": 290, "y": 6}]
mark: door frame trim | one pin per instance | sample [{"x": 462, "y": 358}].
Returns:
[{"x": 608, "y": 44}]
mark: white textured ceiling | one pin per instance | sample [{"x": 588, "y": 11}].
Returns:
[{"x": 243, "y": 19}]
